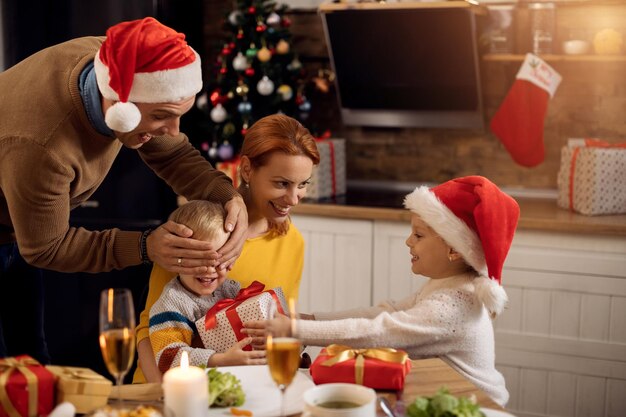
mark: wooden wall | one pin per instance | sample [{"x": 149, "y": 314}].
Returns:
[{"x": 591, "y": 102}]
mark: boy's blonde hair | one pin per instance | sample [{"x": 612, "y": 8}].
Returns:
[{"x": 205, "y": 218}]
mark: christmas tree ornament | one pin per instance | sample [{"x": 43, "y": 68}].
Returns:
[
  {"x": 265, "y": 86},
  {"x": 305, "y": 106},
  {"x": 240, "y": 62},
  {"x": 519, "y": 121},
  {"x": 226, "y": 50},
  {"x": 215, "y": 97},
  {"x": 252, "y": 51},
  {"x": 273, "y": 19},
  {"x": 202, "y": 102},
  {"x": 212, "y": 152},
  {"x": 285, "y": 92},
  {"x": 252, "y": 10},
  {"x": 260, "y": 27},
  {"x": 225, "y": 151},
  {"x": 235, "y": 17},
  {"x": 240, "y": 34},
  {"x": 230, "y": 95},
  {"x": 224, "y": 70},
  {"x": 294, "y": 65},
  {"x": 249, "y": 72},
  {"x": 264, "y": 54},
  {"x": 285, "y": 22},
  {"x": 244, "y": 107},
  {"x": 229, "y": 130},
  {"x": 218, "y": 114},
  {"x": 242, "y": 89},
  {"x": 204, "y": 146},
  {"x": 244, "y": 128},
  {"x": 282, "y": 47}
]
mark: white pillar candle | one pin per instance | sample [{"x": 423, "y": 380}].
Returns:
[{"x": 185, "y": 390}]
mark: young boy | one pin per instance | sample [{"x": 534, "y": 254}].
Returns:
[
  {"x": 461, "y": 232},
  {"x": 187, "y": 298}
]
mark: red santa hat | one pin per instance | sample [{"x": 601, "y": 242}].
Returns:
[
  {"x": 143, "y": 61},
  {"x": 477, "y": 220}
]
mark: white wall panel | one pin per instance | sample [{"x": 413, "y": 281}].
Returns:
[{"x": 561, "y": 394}]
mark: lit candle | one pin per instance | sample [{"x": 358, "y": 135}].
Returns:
[{"x": 186, "y": 390}]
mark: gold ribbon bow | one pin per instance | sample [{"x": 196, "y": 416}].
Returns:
[
  {"x": 8, "y": 365},
  {"x": 341, "y": 353}
]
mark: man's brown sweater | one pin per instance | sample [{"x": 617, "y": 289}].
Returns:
[{"x": 52, "y": 159}]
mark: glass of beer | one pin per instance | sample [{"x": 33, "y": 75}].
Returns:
[
  {"x": 283, "y": 349},
  {"x": 117, "y": 332}
]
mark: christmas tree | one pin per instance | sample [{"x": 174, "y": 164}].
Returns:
[{"x": 256, "y": 74}]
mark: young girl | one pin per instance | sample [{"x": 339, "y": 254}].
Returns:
[
  {"x": 187, "y": 298},
  {"x": 461, "y": 232}
]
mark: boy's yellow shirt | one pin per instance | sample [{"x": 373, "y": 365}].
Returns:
[{"x": 276, "y": 261}]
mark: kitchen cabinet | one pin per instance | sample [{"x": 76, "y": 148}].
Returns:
[{"x": 561, "y": 343}]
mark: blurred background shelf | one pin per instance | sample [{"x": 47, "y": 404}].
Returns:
[{"x": 555, "y": 58}]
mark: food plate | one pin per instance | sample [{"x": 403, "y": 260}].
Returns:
[
  {"x": 489, "y": 412},
  {"x": 262, "y": 394}
]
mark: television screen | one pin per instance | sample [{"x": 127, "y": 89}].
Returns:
[{"x": 413, "y": 66}]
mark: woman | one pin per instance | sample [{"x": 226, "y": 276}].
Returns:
[{"x": 277, "y": 159}]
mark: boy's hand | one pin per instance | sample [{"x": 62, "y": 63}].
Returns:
[
  {"x": 256, "y": 331},
  {"x": 237, "y": 356}
]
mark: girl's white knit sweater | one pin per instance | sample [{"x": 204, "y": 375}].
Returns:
[{"x": 444, "y": 319}]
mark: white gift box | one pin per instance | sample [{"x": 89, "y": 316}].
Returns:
[
  {"x": 592, "y": 177},
  {"x": 227, "y": 329},
  {"x": 329, "y": 177}
]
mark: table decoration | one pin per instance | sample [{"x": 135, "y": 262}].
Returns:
[
  {"x": 83, "y": 387},
  {"x": 26, "y": 387},
  {"x": 185, "y": 390},
  {"x": 378, "y": 368}
]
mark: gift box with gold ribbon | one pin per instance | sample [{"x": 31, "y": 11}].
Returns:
[
  {"x": 221, "y": 327},
  {"x": 377, "y": 368},
  {"x": 84, "y": 388},
  {"x": 26, "y": 388}
]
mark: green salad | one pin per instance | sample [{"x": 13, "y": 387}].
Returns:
[
  {"x": 444, "y": 404},
  {"x": 224, "y": 389}
]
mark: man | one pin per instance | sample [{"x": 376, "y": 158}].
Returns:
[{"x": 65, "y": 113}]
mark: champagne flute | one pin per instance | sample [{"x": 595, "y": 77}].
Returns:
[
  {"x": 117, "y": 333},
  {"x": 283, "y": 353}
]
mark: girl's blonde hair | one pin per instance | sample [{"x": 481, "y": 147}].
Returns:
[
  {"x": 204, "y": 218},
  {"x": 278, "y": 133}
]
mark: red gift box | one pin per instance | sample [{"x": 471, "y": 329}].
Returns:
[
  {"x": 377, "y": 368},
  {"x": 26, "y": 388}
]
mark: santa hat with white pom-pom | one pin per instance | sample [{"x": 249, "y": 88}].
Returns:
[
  {"x": 143, "y": 61},
  {"x": 477, "y": 220}
]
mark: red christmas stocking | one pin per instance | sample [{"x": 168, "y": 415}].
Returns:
[{"x": 518, "y": 123}]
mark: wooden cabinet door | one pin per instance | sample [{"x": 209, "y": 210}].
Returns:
[{"x": 337, "y": 271}]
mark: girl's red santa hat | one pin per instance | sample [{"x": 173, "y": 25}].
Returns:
[
  {"x": 477, "y": 220},
  {"x": 143, "y": 61}
]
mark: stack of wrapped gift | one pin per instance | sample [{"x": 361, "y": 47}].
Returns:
[
  {"x": 329, "y": 177},
  {"x": 26, "y": 388},
  {"x": 221, "y": 328},
  {"x": 591, "y": 177},
  {"x": 84, "y": 388},
  {"x": 377, "y": 368}
]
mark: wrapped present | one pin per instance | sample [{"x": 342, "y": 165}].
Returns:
[
  {"x": 231, "y": 169},
  {"x": 221, "y": 327},
  {"x": 591, "y": 177},
  {"x": 377, "y": 368},
  {"x": 26, "y": 388},
  {"x": 329, "y": 176},
  {"x": 84, "y": 388}
]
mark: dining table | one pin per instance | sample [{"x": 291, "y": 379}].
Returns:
[{"x": 425, "y": 378}]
